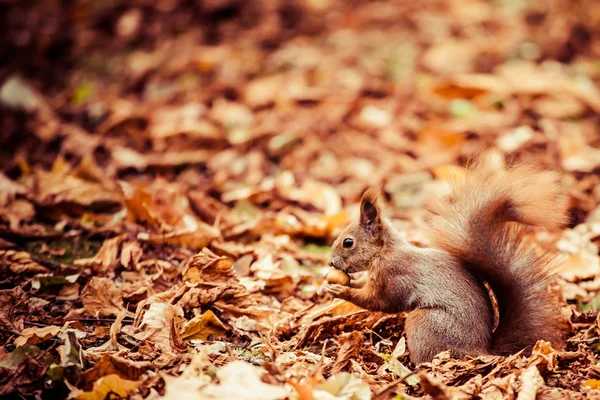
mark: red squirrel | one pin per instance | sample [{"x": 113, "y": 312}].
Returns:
[{"x": 478, "y": 235}]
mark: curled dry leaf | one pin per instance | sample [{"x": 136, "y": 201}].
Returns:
[
  {"x": 207, "y": 267},
  {"x": 582, "y": 260},
  {"x": 544, "y": 356},
  {"x": 350, "y": 347},
  {"x": 14, "y": 308},
  {"x": 531, "y": 381},
  {"x": 161, "y": 325},
  {"x": 35, "y": 335},
  {"x": 15, "y": 212},
  {"x": 20, "y": 262},
  {"x": 101, "y": 297}
]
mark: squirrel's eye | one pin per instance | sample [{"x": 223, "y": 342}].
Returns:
[{"x": 348, "y": 243}]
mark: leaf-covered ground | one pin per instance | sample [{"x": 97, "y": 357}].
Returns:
[{"x": 172, "y": 173}]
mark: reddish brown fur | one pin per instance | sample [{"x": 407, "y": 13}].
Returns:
[{"x": 443, "y": 288}]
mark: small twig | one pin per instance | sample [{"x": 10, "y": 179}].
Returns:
[
  {"x": 106, "y": 320},
  {"x": 9, "y": 331},
  {"x": 230, "y": 351},
  {"x": 41, "y": 325}
]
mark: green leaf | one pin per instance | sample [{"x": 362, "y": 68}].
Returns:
[
  {"x": 315, "y": 248},
  {"x": 461, "y": 108},
  {"x": 14, "y": 359},
  {"x": 82, "y": 92},
  {"x": 245, "y": 209},
  {"x": 593, "y": 305}
]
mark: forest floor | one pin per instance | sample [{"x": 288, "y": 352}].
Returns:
[{"x": 172, "y": 174}]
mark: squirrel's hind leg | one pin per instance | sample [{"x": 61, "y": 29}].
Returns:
[{"x": 431, "y": 331}]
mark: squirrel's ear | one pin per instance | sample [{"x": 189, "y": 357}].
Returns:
[{"x": 369, "y": 208}]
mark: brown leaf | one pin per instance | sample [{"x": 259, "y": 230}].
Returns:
[
  {"x": 114, "y": 364},
  {"x": 56, "y": 189},
  {"x": 433, "y": 387},
  {"x": 342, "y": 386},
  {"x": 15, "y": 307},
  {"x": 25, "y": 372},
  {"x": 350, "y": 346},
  {"x": 20, "y": 262},
  {"x": 161, "y": 325},
  {"x": 101, "y": 297},
  {"x": 207, "y": 267},
  {"x": 35, "y": 335},
  {"x": 107, "y": 257}
]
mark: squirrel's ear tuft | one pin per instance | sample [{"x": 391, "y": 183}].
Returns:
[{"x": 370, "y": 209}]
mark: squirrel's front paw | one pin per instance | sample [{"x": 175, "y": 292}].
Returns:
[{"x": 336, "y": 289}]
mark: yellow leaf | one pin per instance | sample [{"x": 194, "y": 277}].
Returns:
[
  {"x": 202, "y": 326},
  {"x": 592, "y": 383},
  {"x": 112, "y": 383},
  {"x": 60, "y": 166},
  {"x": 335, "y": 220}
]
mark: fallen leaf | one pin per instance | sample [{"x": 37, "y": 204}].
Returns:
[
  {"x": 531, "y": 381},
  {"x": 101, "y": 297},
  {"x": 35, "y": 335},
  {"x": 207, "y": 267},
  {"x": 350, "y": 346},
  {"x": 239, "y": 380},
  {"x": 203, "y": 326},
  {"x": 342, "y": 386},
  {"x": 107, "y": 256},
  {"x": 20, "y": 262},
  {"x": 161, "y": 325},
  {"x": 108, "y": 385},
  {"x": 111, "y": 364}
]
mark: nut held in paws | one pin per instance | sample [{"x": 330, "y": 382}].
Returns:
[{"x": 339, "y": 277}]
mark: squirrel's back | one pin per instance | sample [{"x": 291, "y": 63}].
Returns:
[{"x": 483, "y": 224}]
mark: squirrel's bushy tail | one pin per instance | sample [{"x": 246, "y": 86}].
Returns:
[{"x": 482, "y": 224}]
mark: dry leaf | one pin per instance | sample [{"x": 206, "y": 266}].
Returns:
[
  {"x": 101, "y": 297},
  {"x": 203, "y": 326},
  {"x": 207, "y": 267},
  {"x": 35, "y": 335},
  {"x": 20, "y": 262},
  {"x": 531, "y": 381},
  {"x": 239, "y": 380},
  {"x": 161, "y": 325},
  {"x": 110, "y": 384},
  {"x": 107, "y": 256},
  {"x": 342, "y": 386}
]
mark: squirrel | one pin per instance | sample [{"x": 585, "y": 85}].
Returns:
[{"x": 478, "y": 237}]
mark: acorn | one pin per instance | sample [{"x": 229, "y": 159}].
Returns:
[{"x": 339, "y": 277}]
